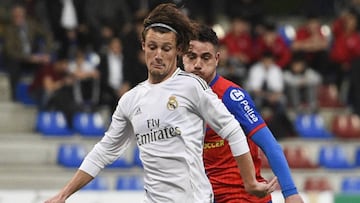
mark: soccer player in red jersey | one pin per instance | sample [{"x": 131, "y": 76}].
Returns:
[{"x": 202, "y": 59}]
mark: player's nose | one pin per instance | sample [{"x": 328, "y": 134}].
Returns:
[{"x": 198, "y": 63}]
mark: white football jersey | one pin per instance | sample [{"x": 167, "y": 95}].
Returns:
[{"x": 167, "y": 120}]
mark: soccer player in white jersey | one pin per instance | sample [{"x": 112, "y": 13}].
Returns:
[{"x": 166, "y": 116}]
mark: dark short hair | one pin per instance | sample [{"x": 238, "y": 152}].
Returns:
[
  {"x": 270, "y": 26},
  {"x": 205, "y": 33},
  {"x": 298, "y": 56},
  {"x": 268, "y": 54},
  {"x": 170, "y": 15}
]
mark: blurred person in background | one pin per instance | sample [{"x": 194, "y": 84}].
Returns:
[
  {"x": 70, "y": 44},
  {"x": 87, "y": 81},
  {"x": 301, "y": 84},
  {"x": 344, "y": 50},
  {"x": 115, "y": 14},
  {"x": 27, "y": 45},
  {"x": 52, "y": 88},
  {"x": 269, "y": 40},
  {"x": 229, "y": 68},
  {"x": 113, "y": 74},
  {"x": 238, "y": 41},
  {"x": 355, "y": 87},
  {"x": 64, "y": 16},
  {"x": 202, "y": 59},
  {"x": 103, "y": 37},
  {"x": 253, "y": 10},
  {"x": 133, "y": 53},
  {"x": 265, "y": 82},
  {"x": 310, "y": 40}
]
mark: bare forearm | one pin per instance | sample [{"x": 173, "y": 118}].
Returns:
[
  {"x": 247, "y": 169},
  {"x": 79, "y": 180},
  {"x": 247, "y": 172}
]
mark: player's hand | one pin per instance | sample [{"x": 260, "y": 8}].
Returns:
[
  {"x": 296, "y": 198},
  {"x": 261, "y": 189},
  {"x": 55, "y": 199}
]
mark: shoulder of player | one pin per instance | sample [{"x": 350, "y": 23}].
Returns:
[
  {"x": 236, "y": 94},
  {"x": 133, "y": 92},
  {"x": 189, "y": 78},
  {"x": 226, "y": 83}
]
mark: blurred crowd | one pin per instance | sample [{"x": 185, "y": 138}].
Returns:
[{"x": 82, "y": 54}]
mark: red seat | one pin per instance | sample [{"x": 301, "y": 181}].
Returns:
[
  {"x": 328, "y": 97},
  {"x": 346, "y": 126},
  {"x": 317, "y": 184},
  {"x": 298, "y": 157}
]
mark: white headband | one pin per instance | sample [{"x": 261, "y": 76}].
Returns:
[{"x": 161, "y": 25}]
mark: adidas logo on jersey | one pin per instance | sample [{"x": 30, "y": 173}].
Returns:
[{"x": 138, "y": 111}]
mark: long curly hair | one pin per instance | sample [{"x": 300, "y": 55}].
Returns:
[{"x": 170, "y": 15}]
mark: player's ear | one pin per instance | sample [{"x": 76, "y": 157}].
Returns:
[
  {"x": 179, "y": 51},
  {"x": 217, "y": 57},
  {"x": 143, "y": 45}
]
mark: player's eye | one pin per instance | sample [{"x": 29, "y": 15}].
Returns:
[
  {"x": 206, "y": 57},
  {"x": 152, "y": 47},
  {"x": 191, "y": 56},
  {"x": 166, "y": 48}
]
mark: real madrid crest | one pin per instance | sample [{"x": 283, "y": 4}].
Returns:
[{"x": 172, "y": 103}]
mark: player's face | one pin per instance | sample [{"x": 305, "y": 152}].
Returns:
[
  {"x": 202, "y": 60},
  {"x": 160, "y": 55}
]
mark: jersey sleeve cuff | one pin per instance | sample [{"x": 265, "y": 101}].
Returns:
[
  {"x": 289, "y": 192},
  {"x": 239, "y": 147},
  {"x": 89, "y": 167},
  {"x": 236, "y": 138}
]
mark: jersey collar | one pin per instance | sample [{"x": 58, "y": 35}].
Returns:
[{"x": 214, "y": 80}]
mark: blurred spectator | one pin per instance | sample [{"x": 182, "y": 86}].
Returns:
[
  {"x": 238, "y": 41},
  {"x": 52, "y": 88},
  {"x": 132, "y": 50},
  {"x": 64, "y": 15},
  {"x": 229, "y": 68},
  {"x": 201, "y": 10},
  {"x": 355, "y": 86},
  {"x": 27, "y": 45},
  {"x": 102, "y": 38},
  {"x": 265, "y": 81},
  {"x": 113, "y": 13},
  {"x": 302, "y": 83},
  {"x": 37, "y": 10},
  {"x": 132, "y": 39},
  {"x": 86, "y": 85},
  {"x": 345, "y": 49},
  {"x": 271, "y": 41},
  {"x": 251, "y": 9},
  {"x": 310, "y": 40},
  {"x": 138, "y": 69},
  {"x": 70, "y": 44},
  {"x": 113, "y": 75},
  {"x": 266, "y": 84}
]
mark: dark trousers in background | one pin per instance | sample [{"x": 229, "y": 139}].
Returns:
[
  {"x": 16, "y": 70},
  {"x": 63, "y": 100},
  {"x": 354, "y": 93},
  {"x": 87, "y": 93}
]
